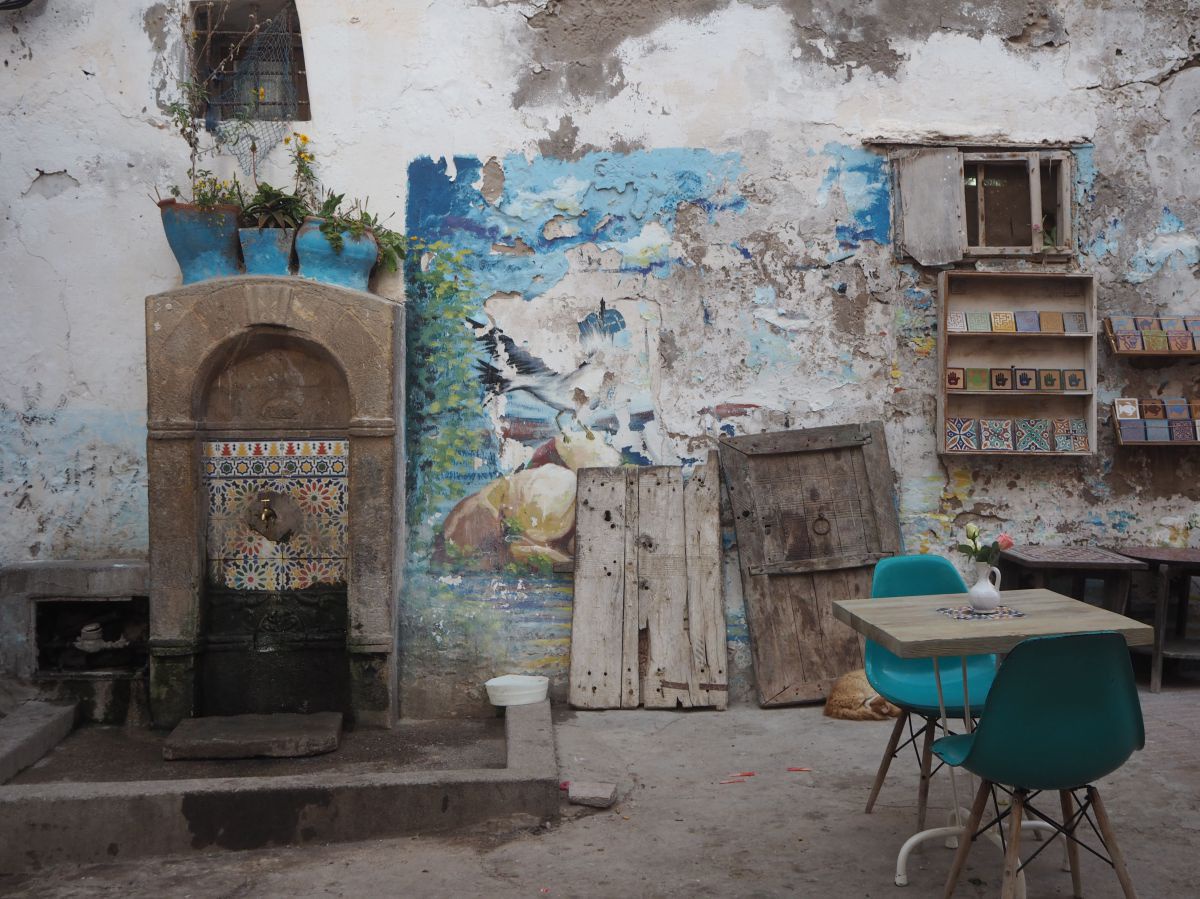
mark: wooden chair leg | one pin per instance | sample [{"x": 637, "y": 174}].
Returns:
[
  {"x": 1068, "y": 810},
  {"x": 886, "y": 762},
  {"x": 1110, "y": 841},
  {"x": 926, "y": 766},
  {"x": 1012, "y": 857},
  {"x": 967, "y": 838}
]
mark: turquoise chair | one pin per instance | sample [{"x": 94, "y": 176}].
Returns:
[
  {"x": 1062, "y": 713},
  {"x": 909, "y": 683}
]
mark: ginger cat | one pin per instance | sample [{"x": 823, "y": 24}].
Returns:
[{"x": 852, "y": 698}]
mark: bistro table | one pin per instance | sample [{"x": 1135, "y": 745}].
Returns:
[
  {"x": 1174, "y": 567},
  {"x": 1031, "y": 566},
  {"x": 916, "y": 627}
]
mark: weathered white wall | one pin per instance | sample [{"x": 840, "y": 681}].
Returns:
[{"x": 803, "y": 329}]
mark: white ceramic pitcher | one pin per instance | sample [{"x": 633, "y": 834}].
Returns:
[{"x": 985, "y": 595}]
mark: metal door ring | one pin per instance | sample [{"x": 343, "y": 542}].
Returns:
[{"x": 820, "y": 526}]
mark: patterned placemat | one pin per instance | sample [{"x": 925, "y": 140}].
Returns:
[{"x": 966, "y": 613}]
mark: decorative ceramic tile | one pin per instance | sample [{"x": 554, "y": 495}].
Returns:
[
  {"x": 1079, "y": 427},
  {"x": 1002, "y": 379},
  {"x": 956, "y": 321},
  {"x": 1183, "y": 430},
  {"x": 313, "y": 474},
  {"x": 1126, "y": 408},
  {"x": 956, "y": 378},
  {"x": 995, "y": 434},
  {"x": 1079, "y": 443},
  {"x": 960, "y": 435},
  {"x": 1157, "y": 430},
  {"x": 1129, "y": 341},
  {"x": 1049, "y": 379},
  {"x": 1192, "y": 323},
  {"x": 1064, "y": 443},
  {"x": 1075, "y": 322},
  {"x": 1133, "y": 431},
  {"x": 979, "y": 321},
  {"x": 1032, "y": 435},
  {"x": 1003, "y": 321},
  {"x": 1145, "y": 322},
  {"x": 1155, "y": 342},
  {"x": 1025, "y": 378},
  {"x": 1074, "y": 379},
  {"x": 1060, "y": 426},
  {"x": 1171, "y": 323},
  {"x": 978, "y": 379},
  {"x": 1027, "y": 321},
  {"x": 1121, "y": 323},
  {"x": 1051, "y": 321},
  {"x": 1153, "y": 409},
  {"x": 1176, "y": 407},
  {"x": 1180, "y": 341}
]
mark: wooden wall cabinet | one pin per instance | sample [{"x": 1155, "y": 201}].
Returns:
[{"x": 1044, "y": 292}]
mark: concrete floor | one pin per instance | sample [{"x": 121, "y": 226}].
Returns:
[{"x": 677, "y": 831}]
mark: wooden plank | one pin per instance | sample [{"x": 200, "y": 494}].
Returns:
[
  {"x": 931, "y": 204},
  {"x": 797, "y": 441},
  {"x": 598, "y": 608},
  {"x": 878, "y": 466},
  {"x": 809, "y": 566},
  {"x": 668, "y": 680},
  {"x": 912, "y": 627},
  {"x": 1034, "y": 170},
  {"x": 706, "y": 607},
  {"x": 631, "y": 681}
]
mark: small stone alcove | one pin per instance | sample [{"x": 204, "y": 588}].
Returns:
[{"x": 253, "y": 381}]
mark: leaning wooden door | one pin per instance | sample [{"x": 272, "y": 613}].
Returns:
[{"x": 814, "y": 511}]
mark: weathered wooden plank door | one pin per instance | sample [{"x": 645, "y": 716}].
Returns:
[
  {"x": 648, "y": 624},
  {"x": 814, "y": 511}
]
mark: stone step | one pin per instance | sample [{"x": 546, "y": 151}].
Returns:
[
  {"x": 30, "y": 731},
  {"x": 281, "y": 735}
]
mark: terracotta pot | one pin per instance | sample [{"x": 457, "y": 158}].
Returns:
[
  {"x": 319, "y": 261},
  {"x": 204, "y": 241}
]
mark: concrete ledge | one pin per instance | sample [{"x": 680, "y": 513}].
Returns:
[
  {"x": 32, "y": 730},
  {"x": 94, "y": 822}
]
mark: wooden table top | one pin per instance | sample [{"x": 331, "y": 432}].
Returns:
[
  {"x": 1171, "y": 555},
  {"x": 1079, "y": 558},
  {"x": 912, "y": 627}
]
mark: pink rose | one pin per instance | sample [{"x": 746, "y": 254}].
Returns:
[{"x": 1004, "y": 541}]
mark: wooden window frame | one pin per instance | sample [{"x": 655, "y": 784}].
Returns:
[{"x": 1033, "y": 160}]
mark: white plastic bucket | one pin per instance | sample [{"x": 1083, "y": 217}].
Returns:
[{"x": 517, "y": 689}]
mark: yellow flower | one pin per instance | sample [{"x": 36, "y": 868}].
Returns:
[
  {"x": 304, "y": 138},
  {"x": 287, "y": 140},
  {"x": 262, "y": 94}
]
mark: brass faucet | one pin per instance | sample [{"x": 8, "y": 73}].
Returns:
[{"x": 266, "y": 514}]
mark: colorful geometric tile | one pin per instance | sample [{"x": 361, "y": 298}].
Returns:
[
  {"x": 1126, "y": 408},
  {"x": 1049, "y": 379},
  {"x": 1003, "y": 321},
  {"x": 1061, "y": 426},
  {"x": 1183, "y": 430},
  {"x": 1027, "y": 321},
  {"x": 1171, "y": 323},
  {"x": 1177, "y": 407},
  {"x": 1074, "y": 379},
  {"x": 1075, "y": 322},
  {"x": 1051, "y": 321},
  {"x": 956, "y": 321},
  {"x": 1079, "y": 426},
  {"x": 1025, "y": 378},
  {"x": 1079, "y": 443},
  {"x": 956, "y": 378},
  {"x": 1128, "y": 341},
  {"x": 1145, "y": 322},
  {"x": 979, "y": 379},
  {"x": 960, "y": 435},
  {"x": 1002, "y": 379},
  {"x": 995, "y": 434},
  {"x": 1191, "y": 322},
  {"x": 1133, "y": 431},
  {"x": 1155, "y": 342},
  {"x": 1121, "y": 323},
  {"x": 1032, "y": 435},
  {"x": 1152, "y": 409},
  {"x": 979, "y": 321},
  {"x": 1180, "y": 341},
  {"x": 1064, "y": 443}
]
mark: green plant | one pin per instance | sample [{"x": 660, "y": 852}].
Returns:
[
  {"x": 356, "y": 221},
  {"x": 273, "y": 207},
  {"x": 978, "y": 551}
]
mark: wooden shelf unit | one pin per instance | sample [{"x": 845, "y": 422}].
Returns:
[
  {"x": 972, "y": 291},
  {"x": 1159, "y": 356}
]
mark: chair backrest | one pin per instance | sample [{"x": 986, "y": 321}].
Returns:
[
  {"x": 911, "y": 576},
  {"x": 1062, "y": 712}
]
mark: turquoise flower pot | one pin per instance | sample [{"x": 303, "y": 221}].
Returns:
[
  {"x": 351, "y": 267},
  {"x": 204, "y": 241},
  {"x": 267, "y": 251}
]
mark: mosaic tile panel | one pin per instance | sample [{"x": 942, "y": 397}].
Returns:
[
  {"x": 313, "y": 474},
  {"x": 1033, "y": 435},
  {"x": 960, "y": 434},
  {"x": 995, "y": 434}
]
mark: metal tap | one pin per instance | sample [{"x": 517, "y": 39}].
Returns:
[{"x": 266, "y": 514}]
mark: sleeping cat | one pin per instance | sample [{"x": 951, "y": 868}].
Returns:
[{"x": 852, "y": 698}]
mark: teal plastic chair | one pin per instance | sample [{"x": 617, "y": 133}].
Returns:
[
  {"x": 1062, "y": 713},
  {"x": 909, "y": 683}
]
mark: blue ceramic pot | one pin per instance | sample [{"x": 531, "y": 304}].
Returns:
[
  {"x": 267, "y": 251},
  {"x": 351, "y": 267},
  {"x": 204, "y": 241}
]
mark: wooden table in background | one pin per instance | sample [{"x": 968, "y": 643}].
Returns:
[
  {"x": 1033, "y": 565},
  {"x": 1170, "y": 564}
]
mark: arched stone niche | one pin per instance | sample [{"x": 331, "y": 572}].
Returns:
[{"x": 254, "y": 357}]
